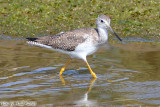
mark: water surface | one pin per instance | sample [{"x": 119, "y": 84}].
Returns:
[{"x": 128, "y": 75}]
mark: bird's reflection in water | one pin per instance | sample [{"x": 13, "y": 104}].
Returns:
[
  {"x": 62, "y": 79},
  {"x": 84, "y": 101}
]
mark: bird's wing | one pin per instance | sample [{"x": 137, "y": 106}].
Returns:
[{"x": 65, "y": 41}]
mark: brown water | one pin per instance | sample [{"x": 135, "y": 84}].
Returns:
[{"x": 128, "y": 75}]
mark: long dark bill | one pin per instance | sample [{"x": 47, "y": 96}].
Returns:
[{"x": 115, "y": 34}]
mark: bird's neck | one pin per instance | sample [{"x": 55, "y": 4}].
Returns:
[{"x": 103, "y": 35}]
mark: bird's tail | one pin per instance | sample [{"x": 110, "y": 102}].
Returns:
[{"x": 31, "y": 39}]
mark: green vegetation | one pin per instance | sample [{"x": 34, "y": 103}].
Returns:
[{"x": 130, "y": 18}]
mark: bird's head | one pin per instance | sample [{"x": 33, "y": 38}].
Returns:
[{"x": 103, "y": 21}]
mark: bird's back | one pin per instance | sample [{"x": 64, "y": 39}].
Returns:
[{"x": 67, "y": 40}]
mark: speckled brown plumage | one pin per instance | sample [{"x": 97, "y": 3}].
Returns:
[{"x": 68, "y": 40}]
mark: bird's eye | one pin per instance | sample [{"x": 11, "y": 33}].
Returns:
[{"x": 102, "y": 21}]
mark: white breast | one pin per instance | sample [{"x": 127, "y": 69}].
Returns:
[
  {"x": 103, "y": 35},
  {"x": 84, "y": 49}
]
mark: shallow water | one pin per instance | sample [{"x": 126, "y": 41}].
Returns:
[{"x": 128, "y": 75}]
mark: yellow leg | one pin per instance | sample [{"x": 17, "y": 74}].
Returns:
[
  {"x": 92, "y": 73},
  {"x": 64, "y": 67}
]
